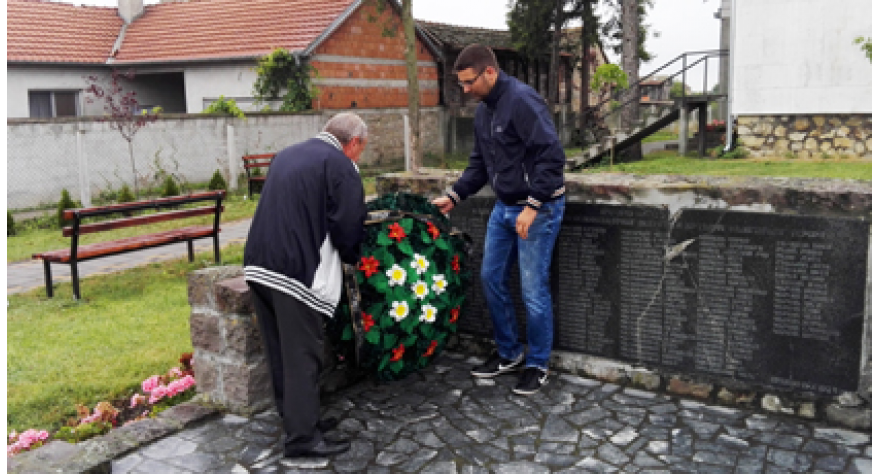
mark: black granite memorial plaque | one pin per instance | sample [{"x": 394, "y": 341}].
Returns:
[
  {"x": 609, "y": 266},
  {"x": 471, "y": 216},
  {"x": 772, "y": 299}
]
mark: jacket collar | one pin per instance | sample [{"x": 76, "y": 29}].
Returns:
[
  {"x": 329, "y": 138},
  {"x": 501, "y": 85}
]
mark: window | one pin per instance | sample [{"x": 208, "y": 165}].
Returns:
[{"x": 48, "y": 104}]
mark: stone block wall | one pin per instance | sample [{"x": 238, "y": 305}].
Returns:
[
  {"x": 227, "y": 350},
  {"x": 806, "y": 136},
  {"x": 228, "y": 358}
]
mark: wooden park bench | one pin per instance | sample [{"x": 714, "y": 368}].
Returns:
[
  {"x": 252, "y": 166},
  {"x": 166, "y": 209}
]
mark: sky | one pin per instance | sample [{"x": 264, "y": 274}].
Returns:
[{"x": 679, "y": 26}]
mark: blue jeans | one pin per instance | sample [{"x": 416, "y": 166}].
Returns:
[{"x": 502, "y": 246}]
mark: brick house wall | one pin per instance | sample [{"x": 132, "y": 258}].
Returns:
[{"x": 361, "y": 66}]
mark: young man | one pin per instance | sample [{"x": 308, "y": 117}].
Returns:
[
  {"x": 310, "y": 219},
  {"x": 517, "y": 151}
]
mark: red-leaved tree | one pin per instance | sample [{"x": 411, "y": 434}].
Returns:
[{"x": 121, "y": 109}]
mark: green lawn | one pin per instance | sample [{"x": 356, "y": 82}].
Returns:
[
  {"x": 669, "y": 162},
  {"x": 60, "y": 352}
]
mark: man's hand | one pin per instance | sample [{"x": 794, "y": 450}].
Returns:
[
  {"x": 524, "y": 221},
  {"x": 444, "y": 203}
]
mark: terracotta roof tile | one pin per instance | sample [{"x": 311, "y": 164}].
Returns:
[
  {"x": 217, "y": 29},
  {"x": 42, "y": 31}
]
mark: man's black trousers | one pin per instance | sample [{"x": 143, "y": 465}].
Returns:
[{"x": 293, "y": 338}]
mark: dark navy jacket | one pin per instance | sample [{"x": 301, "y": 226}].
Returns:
[
  {"x": 516, "y": 148},
  {"x": 310, "y": 219}
]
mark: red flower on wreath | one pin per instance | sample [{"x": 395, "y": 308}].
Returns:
[
  {"x": 453, "y": 315},
  {"x": 433, "y": 230},
  {"x": 369, "y": 265},
  {"x": 397, "y": 354},
  {"x": 456, "y": 264},
  {"x": 430, "y": 350},
  {"x": 368, "y": 322},
  {"x": 396, "y": 232}
]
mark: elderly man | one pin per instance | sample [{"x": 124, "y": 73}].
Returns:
[{"x": 309, "y": 220}]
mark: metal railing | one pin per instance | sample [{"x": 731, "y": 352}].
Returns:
[{"x": 596, "y": 117}]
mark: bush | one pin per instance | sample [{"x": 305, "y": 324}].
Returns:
[
  {"x": 170, "y": 188},
  {"x": 65, "y": 203},
  {"x": 10, "y": 224},
  {"x": 125, "y": 194},
  {"x": 217, "y": 182},
  {"x": 225, "y": 106}
]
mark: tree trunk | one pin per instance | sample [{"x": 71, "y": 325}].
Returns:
[
  {"x": 587, "y": 35},
  {"x": 412, "y": 80},
  {"x": 134, "y": 171},
  {"x": 553, "y": 79},
  {"x": 630, "y": 65}
]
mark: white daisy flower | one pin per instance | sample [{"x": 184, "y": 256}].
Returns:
[
  {"x": 429, "y": 314},
  {"x": 420, "y": 288},
  {"x": 420, "y": 263},
  {"x": 399, "y": 310},
  {"x": 396, "y": 275},
  {"x": 439, "y": 285}
]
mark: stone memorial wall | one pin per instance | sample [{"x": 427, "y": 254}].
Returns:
[{"x": 752, "y": 291}]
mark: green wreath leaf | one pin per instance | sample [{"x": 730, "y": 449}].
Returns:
[
  {"x": 407, "y": 225},
  {"x": 396, "y": 366},
  {"x": 383, "y": 239},
  {"x": 373, "y": 337},
  {"x": 409, "y": 341},
  {"x": 380, "y": 282},
  {"x": 405, "y": 248},
  {"x": 441, "y": 243},
  {"x": 384, "y": 362},
  {"x": 347, "y": 333},
  {"x": 389, "y": 341}
]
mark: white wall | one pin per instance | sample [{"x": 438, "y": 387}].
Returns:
[
  {"x": 232, "y": 81},
  {"x": 798, "y": 57},
  {"x": 21, "y": 79}
]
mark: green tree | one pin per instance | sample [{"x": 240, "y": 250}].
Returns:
[
  {"x": 609, "y": 78},
  {"x": 225, "y": 106},
  {"x": 536, "y": 29},
  {"x": 64, "y": 203},
  {"x": 280, "y": 71},
  {"x": 678, "y": 89},
  {"x": 217, "y": 182}
]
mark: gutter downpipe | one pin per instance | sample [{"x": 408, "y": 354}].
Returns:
[{"x": 730, "y": 48}]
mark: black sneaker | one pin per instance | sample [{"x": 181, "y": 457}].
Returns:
[
  {"x": 496, "y": 365},
  {"x": 531, "y": 380}
]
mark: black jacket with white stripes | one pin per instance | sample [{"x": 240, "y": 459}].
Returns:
[{"x": 309, "y": 220}]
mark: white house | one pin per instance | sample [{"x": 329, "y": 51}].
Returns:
[{"x": 799, "y": 86}]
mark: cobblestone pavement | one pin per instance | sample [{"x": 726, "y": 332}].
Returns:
[{"x": 444, "y": 421}]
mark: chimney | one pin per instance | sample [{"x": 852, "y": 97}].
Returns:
[{"x": 130, "y": 10}]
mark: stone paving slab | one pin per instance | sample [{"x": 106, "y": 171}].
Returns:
[{"x": 442, "y": 420}]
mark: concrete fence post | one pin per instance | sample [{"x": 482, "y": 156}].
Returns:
[
  {"x": 233, "y": 156},
  {"x": 407, "y": 153},
  {"x": 85, "y": 194}
]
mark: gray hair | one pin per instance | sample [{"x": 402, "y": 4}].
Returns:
[{"x": 345, "y": 126}]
